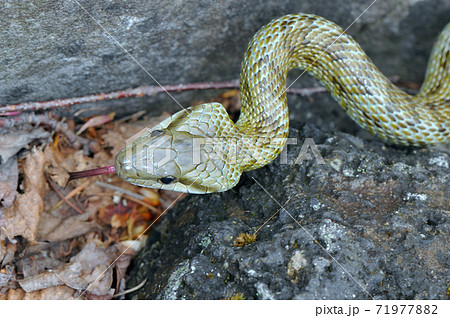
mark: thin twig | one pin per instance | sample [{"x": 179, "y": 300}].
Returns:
[
  {"x": 131, "y": 289},
  {"x": 70, "y": 195},
  {"x": 138, "y": 92},
  {"x": 55, "y": 188},
  {"x": 132, "y": 117},
  {"x": 120, "y": 190},
  {"x": 135, "y": 197}
]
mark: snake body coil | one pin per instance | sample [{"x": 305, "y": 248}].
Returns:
[{"x": 200, "y": 150}]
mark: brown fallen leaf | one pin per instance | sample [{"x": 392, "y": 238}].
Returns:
[
  {"x": 96, "y": 121},
  {"x": 95, "y": 262},
  {"x": 58, "y": 163},
  {"x": 8, "y": 182},
  {"x": 67, "y": 274},
  {"x": 9, "y": 252},
  {"x": 36, "y": 264},
  {"x": 52, "y": 293},
  {"x": 70, "y": 254},
  {"x": 4, "y": 279},
  {"x": 12, "y": 142},
  {"x": 88, "y": 270},
  {"x": 22, "y": 217},
  {"x": 56, "y": 229}
]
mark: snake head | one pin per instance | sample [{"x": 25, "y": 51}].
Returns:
[{"x": 184, "y": 153}]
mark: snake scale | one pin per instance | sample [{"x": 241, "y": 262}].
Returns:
[{"x": 201, "y": 150}]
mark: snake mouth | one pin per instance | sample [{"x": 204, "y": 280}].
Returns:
[
  {"x": 125, "y": 172},
  {"x": 124, "y": 167}
]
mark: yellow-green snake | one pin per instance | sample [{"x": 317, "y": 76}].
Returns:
[{"x": 201, "y": 150}]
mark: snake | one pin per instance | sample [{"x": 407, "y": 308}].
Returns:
[{"x": 201, "y": 150}]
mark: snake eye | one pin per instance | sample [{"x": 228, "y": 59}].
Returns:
[
  {"x": 156, "y": 133},
  {"x": 167, "y": 180}
]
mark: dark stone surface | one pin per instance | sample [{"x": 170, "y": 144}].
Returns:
[{"x": 370, "y": 222}]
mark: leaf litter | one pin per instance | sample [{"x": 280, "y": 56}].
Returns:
[{"x": 78, "y": 241}]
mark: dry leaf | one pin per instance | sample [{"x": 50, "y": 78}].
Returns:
[
  {"x": 53, "y": 229},
  {"x": 58, "y": 163},
  {"x": 68, "y": 274},
  {"x": 36, "y": 264},
  {"x": 95, "y": 261},
  {"x": 4, "y": 279},
  {"x": 122, "y": 264},
  {"x": 96, "y": 121},
  {"x": 53, "y": 293},
  {"x": 49, "y": 267},
  {"x": 11, "y": 143},
  {"x": 7, "y": 255},
  {"x": 115, "y": 140},
  {"x": 8, "y": 182},
  {"x": 23, "y": 216},
  {"x": 86, "y": 270}
]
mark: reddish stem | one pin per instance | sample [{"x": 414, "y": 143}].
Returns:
[
  {"x": 132, "y": 92},
  {"x": 138, "y": 92}
]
